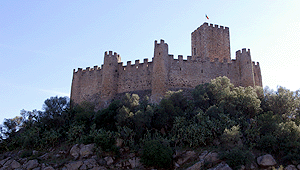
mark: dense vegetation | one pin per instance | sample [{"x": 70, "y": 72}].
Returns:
[{"x": 237, "y": 119}]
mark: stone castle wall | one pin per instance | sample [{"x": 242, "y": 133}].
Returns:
[{"x": 210, "y": 59}]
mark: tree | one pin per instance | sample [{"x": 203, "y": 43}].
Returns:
[
  {"x": 55, "y": 106},
  {"x": 282, "y": 102}
]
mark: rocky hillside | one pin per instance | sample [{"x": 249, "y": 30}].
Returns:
[
  {"x": 215, "y": 125},
  {"x": 86, "y": 157}
]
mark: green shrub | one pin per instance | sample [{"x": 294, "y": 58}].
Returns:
[
  {"x": 237, "y": 157},
  {"x": 75, "y": 133},
  {"x": 105, "y": 139},
  {"x": 267, "y": 143},
  {"x": 232, "y": 137},
  {"x": 157, "y": 154},
  {"x": 189, "y": 133}
]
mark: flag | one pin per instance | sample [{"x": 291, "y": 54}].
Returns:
[{"x": 206, "y": 16}]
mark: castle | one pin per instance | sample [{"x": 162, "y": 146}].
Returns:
[{"x": 210, "y": 58}]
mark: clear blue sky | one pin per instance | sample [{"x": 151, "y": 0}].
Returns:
[{"x": 41, "y": 42}]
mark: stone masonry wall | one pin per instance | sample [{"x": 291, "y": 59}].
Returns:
[{"x": 210, "y": 59}]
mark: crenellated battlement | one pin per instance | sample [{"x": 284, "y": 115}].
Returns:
[
  {"x": 210, "y": 58},
  {"x": 243, "y": 51},
  {"x": 87, "y": 69},
  {"x": 205, "y": 25}
]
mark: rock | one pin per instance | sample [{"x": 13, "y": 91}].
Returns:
[
  {"x": 34, "y": 152},
  {"x": 7, "y": 163},
  {"x": 75, "y": 151},
  {"x": 109, "y": 160},
  {"x": 212, "y": 157},
  {"x": 298, "y": 166},
  {"x": 57, "y": 155},
  {"x": 74, "y": 165},
  {"x": 253, "y": 166},
  {"x": 187, "y": 156},
  {"x": 203, "y": 154},
  {"x": 266, "y": 160},
  {"x": 83, "y": 167},
  {"x": 221, "y": 166},
  {"x": 15, "y": 165},
  {"x": 90, "y": 163},
  {"x": 86, "y": 150},
  {"x": 99, "y": 168},
  {"x": 119, "y": 142},
  {"x": 2, "y": 162},
  {"x": 102, "y": 162},
  {"x": 123, "y": 165},
  {"x": 45, "y": 156},
  {"x": 31, "y": 164},
  {"x": 176, "y": 165},
  {"x": 5, "y": 168},
  {"x": 135, "y": 162},
  {"x": 197, "y": 165},
  {"x": 290, "y": 167},
  {"x": 37, "y": 168},
  {"x": 49, "y": 168}
]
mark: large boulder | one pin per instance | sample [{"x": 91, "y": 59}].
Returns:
[
  {"x": 31, "y": 164},
  {"x": 290, "y": 167},
  {"x": 2, "y": 162},
  {"x": 7, "y": 163},
  {"x": 86, "y": 150},
  {"x": 109, "y": 160},
  {"x": 212, "y": 157},
  {"x": 15, "y": 165},
  {"x": 266, "y": 160},
  {"x": 75, "y": 151}
]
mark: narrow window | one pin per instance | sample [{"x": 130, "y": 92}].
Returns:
[
  {"x": 194, "y": 51},
  {"x": 201, "y": 71}
]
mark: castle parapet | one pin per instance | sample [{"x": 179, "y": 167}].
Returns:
[
  {"x": 112, "y": 55},
  {"x": 146, "y": 60},
  {"x": 180, "y": 57},
  {"x": 189, "y": 58}
]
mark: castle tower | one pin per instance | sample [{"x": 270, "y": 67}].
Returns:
[
  {"x": 110, "y": 75},
  {"x": 212, "y": 42},
  {"x": 245, "y": 68},
  {"x": 160, "y": 71}
]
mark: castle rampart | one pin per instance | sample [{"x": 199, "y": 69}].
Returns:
[{"x": 210, "y": 59}]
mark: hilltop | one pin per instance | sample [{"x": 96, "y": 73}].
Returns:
[{"x": 213, "y": 125}]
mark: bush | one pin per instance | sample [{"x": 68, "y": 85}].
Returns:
[
  {"x": 190, "y": 134},
  {"x": 237, "y": 157},
  {"x": 105, "y": 139},
  {"x": 232, "y": 137},
  {"x": 267, "y": 143},
  {"x": 157, "y": 154}
]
